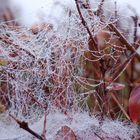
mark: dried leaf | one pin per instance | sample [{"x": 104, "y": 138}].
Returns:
[
  {"x": 134, "y": 105},
  {"x": 65, "y": 133}
]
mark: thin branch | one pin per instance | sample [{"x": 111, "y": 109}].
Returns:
[
  {"x": 99, "y": 11},
  {"x": 8, "y": 17},
  {"x": 7, "y": 40},
  {"x": 124, "y": 41},
  {"x": 120, "y": 106},
  {"x": 85, "y": 25},
  {"x": 28, "y": 92},
  {"x": 135, "y": 20},
  {"x": 24, "y": 125},
  {"x": 44, "y": 128},
  {"x": 116, "y": 14},
  {"x": 87, "y": 5},
  {"x": 98, "y": 136},
  {"x": 122, "y": 68}
]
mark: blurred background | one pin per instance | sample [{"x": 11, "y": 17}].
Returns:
[{"x": 29, "y": 12}]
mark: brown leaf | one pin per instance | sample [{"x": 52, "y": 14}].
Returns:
[
  {"x": 65, "y": 133},
  {"x": 134, "y": 105}
]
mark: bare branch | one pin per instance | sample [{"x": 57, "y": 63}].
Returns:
[
  {"x": 99, "y": 11},
  {"x": 85, "y": 25},
  {"x": 44, "y": 128},
  {"x": 123, "y": 40},
  {"x": 24, "y": 125}
]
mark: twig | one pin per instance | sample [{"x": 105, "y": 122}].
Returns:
[
  {"x": 44, "y": 128},
  {"x": 120, "y": 106},
  {"x": 123, "y": 40},
  {"x": 98, "y": 136},
  {"x": 9, "y": 18},
  {"x": 28, "y": 92},
  {"x": 116, "y": 14},
  {"x": 7, "y": 40},
  {"x": 135, "y": 20},
  {"x": 85, "y": 25},
  {"x": 122, "y": 68},
  {"x": 24, "y": 125},
  {"x": 86, "y": 5},
  {"x": 99, "y": 11}
]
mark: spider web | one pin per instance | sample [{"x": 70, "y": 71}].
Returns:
[{"x": 46, "y": 69}]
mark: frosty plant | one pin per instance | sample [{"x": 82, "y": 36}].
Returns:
[{"x": 89, "y": 63}]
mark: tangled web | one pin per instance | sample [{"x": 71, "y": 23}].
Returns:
[
  {"x": 38, "y": 71},
  {"x": 44, "y": 69}
]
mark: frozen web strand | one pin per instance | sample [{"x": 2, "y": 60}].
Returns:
[
  {"x": 52, "y": 60},
  {"x": 26, "y": 67}
]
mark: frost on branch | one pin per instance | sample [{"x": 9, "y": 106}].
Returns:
[{"x": 49, "y": 76}]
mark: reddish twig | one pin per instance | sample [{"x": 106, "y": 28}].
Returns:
[
  {"x": 120, "y": 106},
  {"x": 9, "y": 17},
  {"x": 123, "y": 40},
  {"x": 87, "y": 5},
  {"x": 7, "y": 40},
  {"x": 85, "y": 25},
  {"x": 99, "y": 11},
  {"x": 24, "y": 125},
  {"x": 135, "y": 20},
  {"x": 44, "y": 128},
  {"x": 122, "y": 67},
  {"x": 32, "y": 96}
]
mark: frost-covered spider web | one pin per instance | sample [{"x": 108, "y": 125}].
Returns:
[
  {"x": 45, "y": 69},
  {"x": 38, "y": 69}
]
